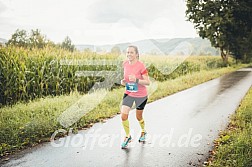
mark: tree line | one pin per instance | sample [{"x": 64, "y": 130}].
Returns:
[
  {"x": 35, "y": 39},
  {"x": 226, "y": 23}
]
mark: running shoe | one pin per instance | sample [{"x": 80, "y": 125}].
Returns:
[
  {"x": 142, "y": 137},
  {"x": 127, "y": 140}
]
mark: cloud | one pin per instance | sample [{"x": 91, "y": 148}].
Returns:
[
  {"x": 6, "y": 28},
  {"x": 96, "y": 21},
  {"x": 138, "y": 12},
  {"x": 2, "y": 7}
]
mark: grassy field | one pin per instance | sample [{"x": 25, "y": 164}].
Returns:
[
  {"x": 233, "y": 148},
  {"x": 27, "y": 124}
]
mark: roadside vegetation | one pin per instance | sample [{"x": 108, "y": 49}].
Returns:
[{"x": 234, "y": 145}]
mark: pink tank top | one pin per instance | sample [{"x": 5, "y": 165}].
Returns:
[{"x": 138, "y": 69}]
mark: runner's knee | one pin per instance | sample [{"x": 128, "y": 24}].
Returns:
[{"x": 139, "y": 114}]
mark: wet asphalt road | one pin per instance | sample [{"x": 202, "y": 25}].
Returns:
[{"x": 181, "y": 129}]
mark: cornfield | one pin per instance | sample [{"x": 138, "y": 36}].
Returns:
[{"x": 29, "y": 74}]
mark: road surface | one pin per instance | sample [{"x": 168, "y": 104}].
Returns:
[{"x": 181, "y": 129}]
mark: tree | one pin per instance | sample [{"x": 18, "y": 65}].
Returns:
[
  {"x": 242, "y": 31},
  {"x": 19, "y": 38},
  {"x": 116, "y": 50},
  {"x": 33, "y": 40},
  {"x": 37, "y": 40},
  {"x": 226, "y": 23},
  {"x": 67, "y": 44}
]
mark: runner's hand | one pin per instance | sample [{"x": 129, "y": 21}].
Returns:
[
  {"x": 132, "y": 78},
  {"x": 123, "y": 82}
]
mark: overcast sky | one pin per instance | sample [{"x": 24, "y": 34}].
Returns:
[{"x": 96, "y": 21}]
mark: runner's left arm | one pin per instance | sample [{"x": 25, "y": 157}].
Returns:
[{"x": 145, "y": 80}]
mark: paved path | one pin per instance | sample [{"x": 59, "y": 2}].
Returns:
[{"x": 181, "y": 129}]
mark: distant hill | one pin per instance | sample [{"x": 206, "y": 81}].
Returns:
[
  {"x": 165, "y": 46},
  {"x": 192, "y": 46},
  {"x": 3, "y": 41}
]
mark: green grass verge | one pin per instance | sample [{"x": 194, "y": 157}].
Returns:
[
  {"x": 25, "y": 125},
  {"x": 233, "y": 148}
]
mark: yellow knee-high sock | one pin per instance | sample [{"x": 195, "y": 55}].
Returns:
[
  {"x": 142, "y": 124},
  {"x": 126, "y": 127}
]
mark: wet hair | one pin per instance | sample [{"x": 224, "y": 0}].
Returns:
[{"x": 135, "y": 48}]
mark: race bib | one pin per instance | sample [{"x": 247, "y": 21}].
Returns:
[{"x": 132, "y": 87}]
